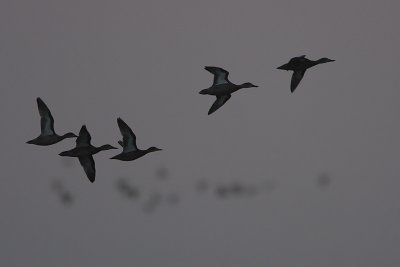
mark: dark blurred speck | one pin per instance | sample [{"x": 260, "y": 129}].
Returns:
[
  {"x": 66, "y": 198},
  {"x": 172, "y": 198},
  {"x": 64, "y": 195},
  {"x": 202, "y": 186},
  {"x": 153, "y": 202},
  {"x": 162, "y": 173},
  {"x": 323, "y": 180},
  {"x": 222, "y": 191},
  {"x": 127, "y": 190}
]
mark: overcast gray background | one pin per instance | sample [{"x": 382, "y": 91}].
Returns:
[{"x": 92, "y": 61}]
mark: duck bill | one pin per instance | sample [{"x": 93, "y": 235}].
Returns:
[{"x": 283, "y": 67}]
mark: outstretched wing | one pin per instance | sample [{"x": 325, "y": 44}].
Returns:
[
  {"x": 83, "y": 138},
  {"x": 89, "y": 167},
  {"x": 219, "y": 102},
  {"x": 46, "y": 121},
  {"x": 220, "y": 75},
  {"x": 296, "y": 78},
  {"x": 128, "y": 137}
]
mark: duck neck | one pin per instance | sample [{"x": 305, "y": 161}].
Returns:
[
  {"x": 314, "y": 63},
  {"x": 317, "y": 62},
  {"x": 98, "y": 149},
  {"x": 241, "y": 86}
]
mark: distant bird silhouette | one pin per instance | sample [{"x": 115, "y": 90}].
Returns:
[
  {"x": 299, "y": 65},
  {"x": 65, "y": 196},
  {"x": 324, "y": 180},
  {"x": 222, "y": 88},
  {"x": 154, "y": 200},
  {"x": 127, "y": 190},
  {"x": 130, "y": 150},
  {"x": 222, "y": 191},
  {"x": 162, "y": 173},
  {"x": 172, "y": 198},
  {"x": 202, "y": 186},
  {"x": 84, "y": 151},
  {"x": 47, "y": 136}
]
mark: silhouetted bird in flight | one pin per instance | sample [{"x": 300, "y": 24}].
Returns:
[
  {"x": 84, "y": 151},
  {"x": 130, "y": 151},
  {"x": 127, "y": 190},
  {"x": 222, "y": 88},
  {"x": 299, "y": 65},
  {"x": 65, "y": 196},
  {"x": 47, "y": 136}
]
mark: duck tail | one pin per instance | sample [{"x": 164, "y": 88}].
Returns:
[{"x": 204, "y": 92}]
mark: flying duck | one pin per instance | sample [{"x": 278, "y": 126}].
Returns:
[
  {"x": 222, "y": 88},
  {"x": 84, "y": 151},
  {"x": 299, "y": 65},
  {"x": 129, "y": 149},
  {"x": 47, "y": 136}
]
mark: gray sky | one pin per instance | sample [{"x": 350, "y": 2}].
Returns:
[{"x": 93, "y": 61}]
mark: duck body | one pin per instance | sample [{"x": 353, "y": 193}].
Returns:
[
  {"x": 47, "y": 140},
  {"x": 299, "y": 65},
  {"x": 81, "y": 151},
  {"x": 84, "y": 151},
  {"x": 47, "y": 135},
  {"x": 222, "y": 88},
  {"x": 130, "y": 151},
  {"x": 129, "y": 156}
]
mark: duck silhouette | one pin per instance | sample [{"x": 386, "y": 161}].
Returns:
[
  {"x": 47, "y": 135},
  {"x": 84, "y": 151},
  {"x": 299, "y": 65},
  {"x": 130, "y": 151},
  {"x": 222, "y": 88}
]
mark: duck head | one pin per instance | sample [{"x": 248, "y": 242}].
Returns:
[
  {"x": 106, "y": 147},
  {"x": 67, "y": 154},
  {"x": 69, "y": 135},
  {"x": 153, "y": 149},
  {"x": 325, "y": 60},
  {"x": 284, "y": 67},
  {"x": 248, "y": 85}
]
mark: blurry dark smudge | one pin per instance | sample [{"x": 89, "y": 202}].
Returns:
[
  {"x": 127, "y": 190},
  {"x": 67, "y": 162},
  {"x": 162, "y": 173},
  {"x": 64, "y": 195},
  {"x": 152, "y": 203},
  {"x": 67, "y": 198},
  {"x": 323, "y": 180},
  {"x": 202, "y": 186},
  {"x": 238, "y": 189},
  {"x": 173, "y": 198},
  {"x": 222, "y": 191}
]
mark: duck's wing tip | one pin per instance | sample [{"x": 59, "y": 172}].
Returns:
[
  {"x": 296, "y": 79},
  {"x": 219, "y": 102},
  {"x": 89, "y": 166}
]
